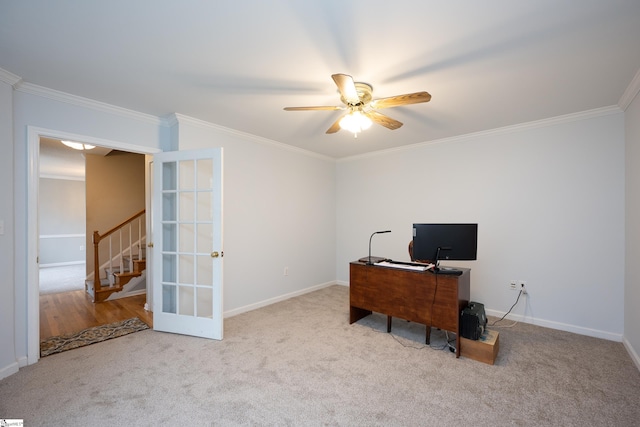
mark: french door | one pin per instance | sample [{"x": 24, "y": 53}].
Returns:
[{"x": 187, "y": 229}]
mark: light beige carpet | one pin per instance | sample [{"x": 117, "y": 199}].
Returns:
[
  {"x": 65, "y": 278},
  {"x": 300, "y": 363}
]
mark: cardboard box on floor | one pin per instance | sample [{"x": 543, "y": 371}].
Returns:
[{"x": 484, "y": 349}]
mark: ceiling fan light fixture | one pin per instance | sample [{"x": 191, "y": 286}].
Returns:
[
  {"x": 78, "y": 145},
  {"x": 355, "y": 122},
  {"x": 362, "y": 109}
]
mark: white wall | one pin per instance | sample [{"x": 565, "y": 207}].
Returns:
[
  {"x": 632, "y": 273},
  {"x": 279, "y": 211},
  {"x": 549, "y": 201},
  {"x": 8, "y": 362}
]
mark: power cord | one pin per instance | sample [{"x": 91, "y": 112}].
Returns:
[
  {"x": 505, "y": 315},
  {"x": 374, "y": 329},
  {"x": 420, "y": 347},
  {"x": 448, "y": 344},
  {"x": 433, "y": 302},
  {"x": 451, "y": 347}
]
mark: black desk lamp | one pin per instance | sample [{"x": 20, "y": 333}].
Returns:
[{"x": 377, "y": 232}]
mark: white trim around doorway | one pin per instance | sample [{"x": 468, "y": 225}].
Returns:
[{"x": 33, "y": 158}]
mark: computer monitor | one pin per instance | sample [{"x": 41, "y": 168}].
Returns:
[{"x": 435, "y": 242}]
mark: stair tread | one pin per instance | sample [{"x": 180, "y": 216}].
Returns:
[
  {"x": 129, "y": 273},
  {"x": 109, "y": 289},
  {"x": 115, "y": 270},
  {"x": 102, "y": 282}
]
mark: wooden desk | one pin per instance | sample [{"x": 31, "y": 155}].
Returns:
[{"x": 434, "y": 300}]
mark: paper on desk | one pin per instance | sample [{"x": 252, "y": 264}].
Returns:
[{"x": 405, "y": 266}]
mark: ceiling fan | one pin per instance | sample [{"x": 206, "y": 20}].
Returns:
[{"x": 361, "y": 107}]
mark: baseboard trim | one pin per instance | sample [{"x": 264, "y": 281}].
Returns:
[
  {"x": 596, "y": 333},
  {"x": 632, "y": 353},
  {"x": 274, "y": 300},
  {"x": 9, "y": 370},
  {"x": 534, "y": 321},
  {"x": 23, "y": 361},
  {"x": 61, "y": 264}
]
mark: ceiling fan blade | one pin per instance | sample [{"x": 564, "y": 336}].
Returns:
[
  {"x": 335, "y": 127},
  {"x": 347, "y": 88},
  {"x": 396, "y": 101},
  {"x": 383, "y": 120},
  {"x": 311, "y": 108}
]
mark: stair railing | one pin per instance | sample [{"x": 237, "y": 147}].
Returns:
[{"x": 97, "y": 238}]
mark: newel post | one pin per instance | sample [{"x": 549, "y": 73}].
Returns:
[{"x": 96, "y": 265}]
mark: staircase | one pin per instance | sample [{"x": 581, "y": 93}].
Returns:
[
  {"x": 122, "y": 278},
  {"x": 123, "y": 246}
]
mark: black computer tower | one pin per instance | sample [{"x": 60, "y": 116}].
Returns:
[{"x": 473, "y": 321}]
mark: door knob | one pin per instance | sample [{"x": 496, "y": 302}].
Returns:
[{"x": 215, "y": 254}]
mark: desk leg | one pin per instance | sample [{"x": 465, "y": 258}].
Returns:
[
  {"x": 428, "y": 335},
  {"x": 357, "y": 313},
  {"x": 388, "y": 324}
]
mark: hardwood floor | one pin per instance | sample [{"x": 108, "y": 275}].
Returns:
[{"x": 69, "y": 312}]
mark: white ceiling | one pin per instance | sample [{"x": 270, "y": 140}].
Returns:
[
  {"x": 487, "y": 64},
  {"x": 60, "y": 161}
]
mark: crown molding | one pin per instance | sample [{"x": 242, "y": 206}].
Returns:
[
  {"x": 35, "y": 133},
  {"x": 171, "y": 120},
  {"x": 10, "y": 78},
  {"x": 177, "y": 118},
  {"x": 567, "y": 118},
  {"x": 80, "y": 101},
  {"x": 630, "y": 93}
]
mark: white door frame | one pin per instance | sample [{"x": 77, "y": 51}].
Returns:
[{"x": 33, "y": 277}]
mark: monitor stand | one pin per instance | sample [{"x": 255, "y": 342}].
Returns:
[{"x": 448, "y": 270}]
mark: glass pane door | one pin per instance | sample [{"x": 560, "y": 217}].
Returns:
[{"x": 188, "y": 271}]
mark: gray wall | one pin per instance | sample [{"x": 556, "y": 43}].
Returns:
[
  {"x": 632, "y": 229},
  {"x": 62, "y": 216},
  {"x": 278, "y": 210},
  {"x": 549, "y": 202},
  {"x": 8, "y": 359}
]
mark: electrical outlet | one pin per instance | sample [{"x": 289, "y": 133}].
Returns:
[
  {"x": 523, "y": 287},
  {"x": 286, "y": 271},
  {"x": 513, "y": 285}
]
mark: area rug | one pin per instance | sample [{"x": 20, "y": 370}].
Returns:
[{"x": 89, "y": 336}]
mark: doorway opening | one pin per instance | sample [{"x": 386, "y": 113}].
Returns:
[
  {"x": 68, "y": 196},
  {"x": 93, "y": 312}
]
